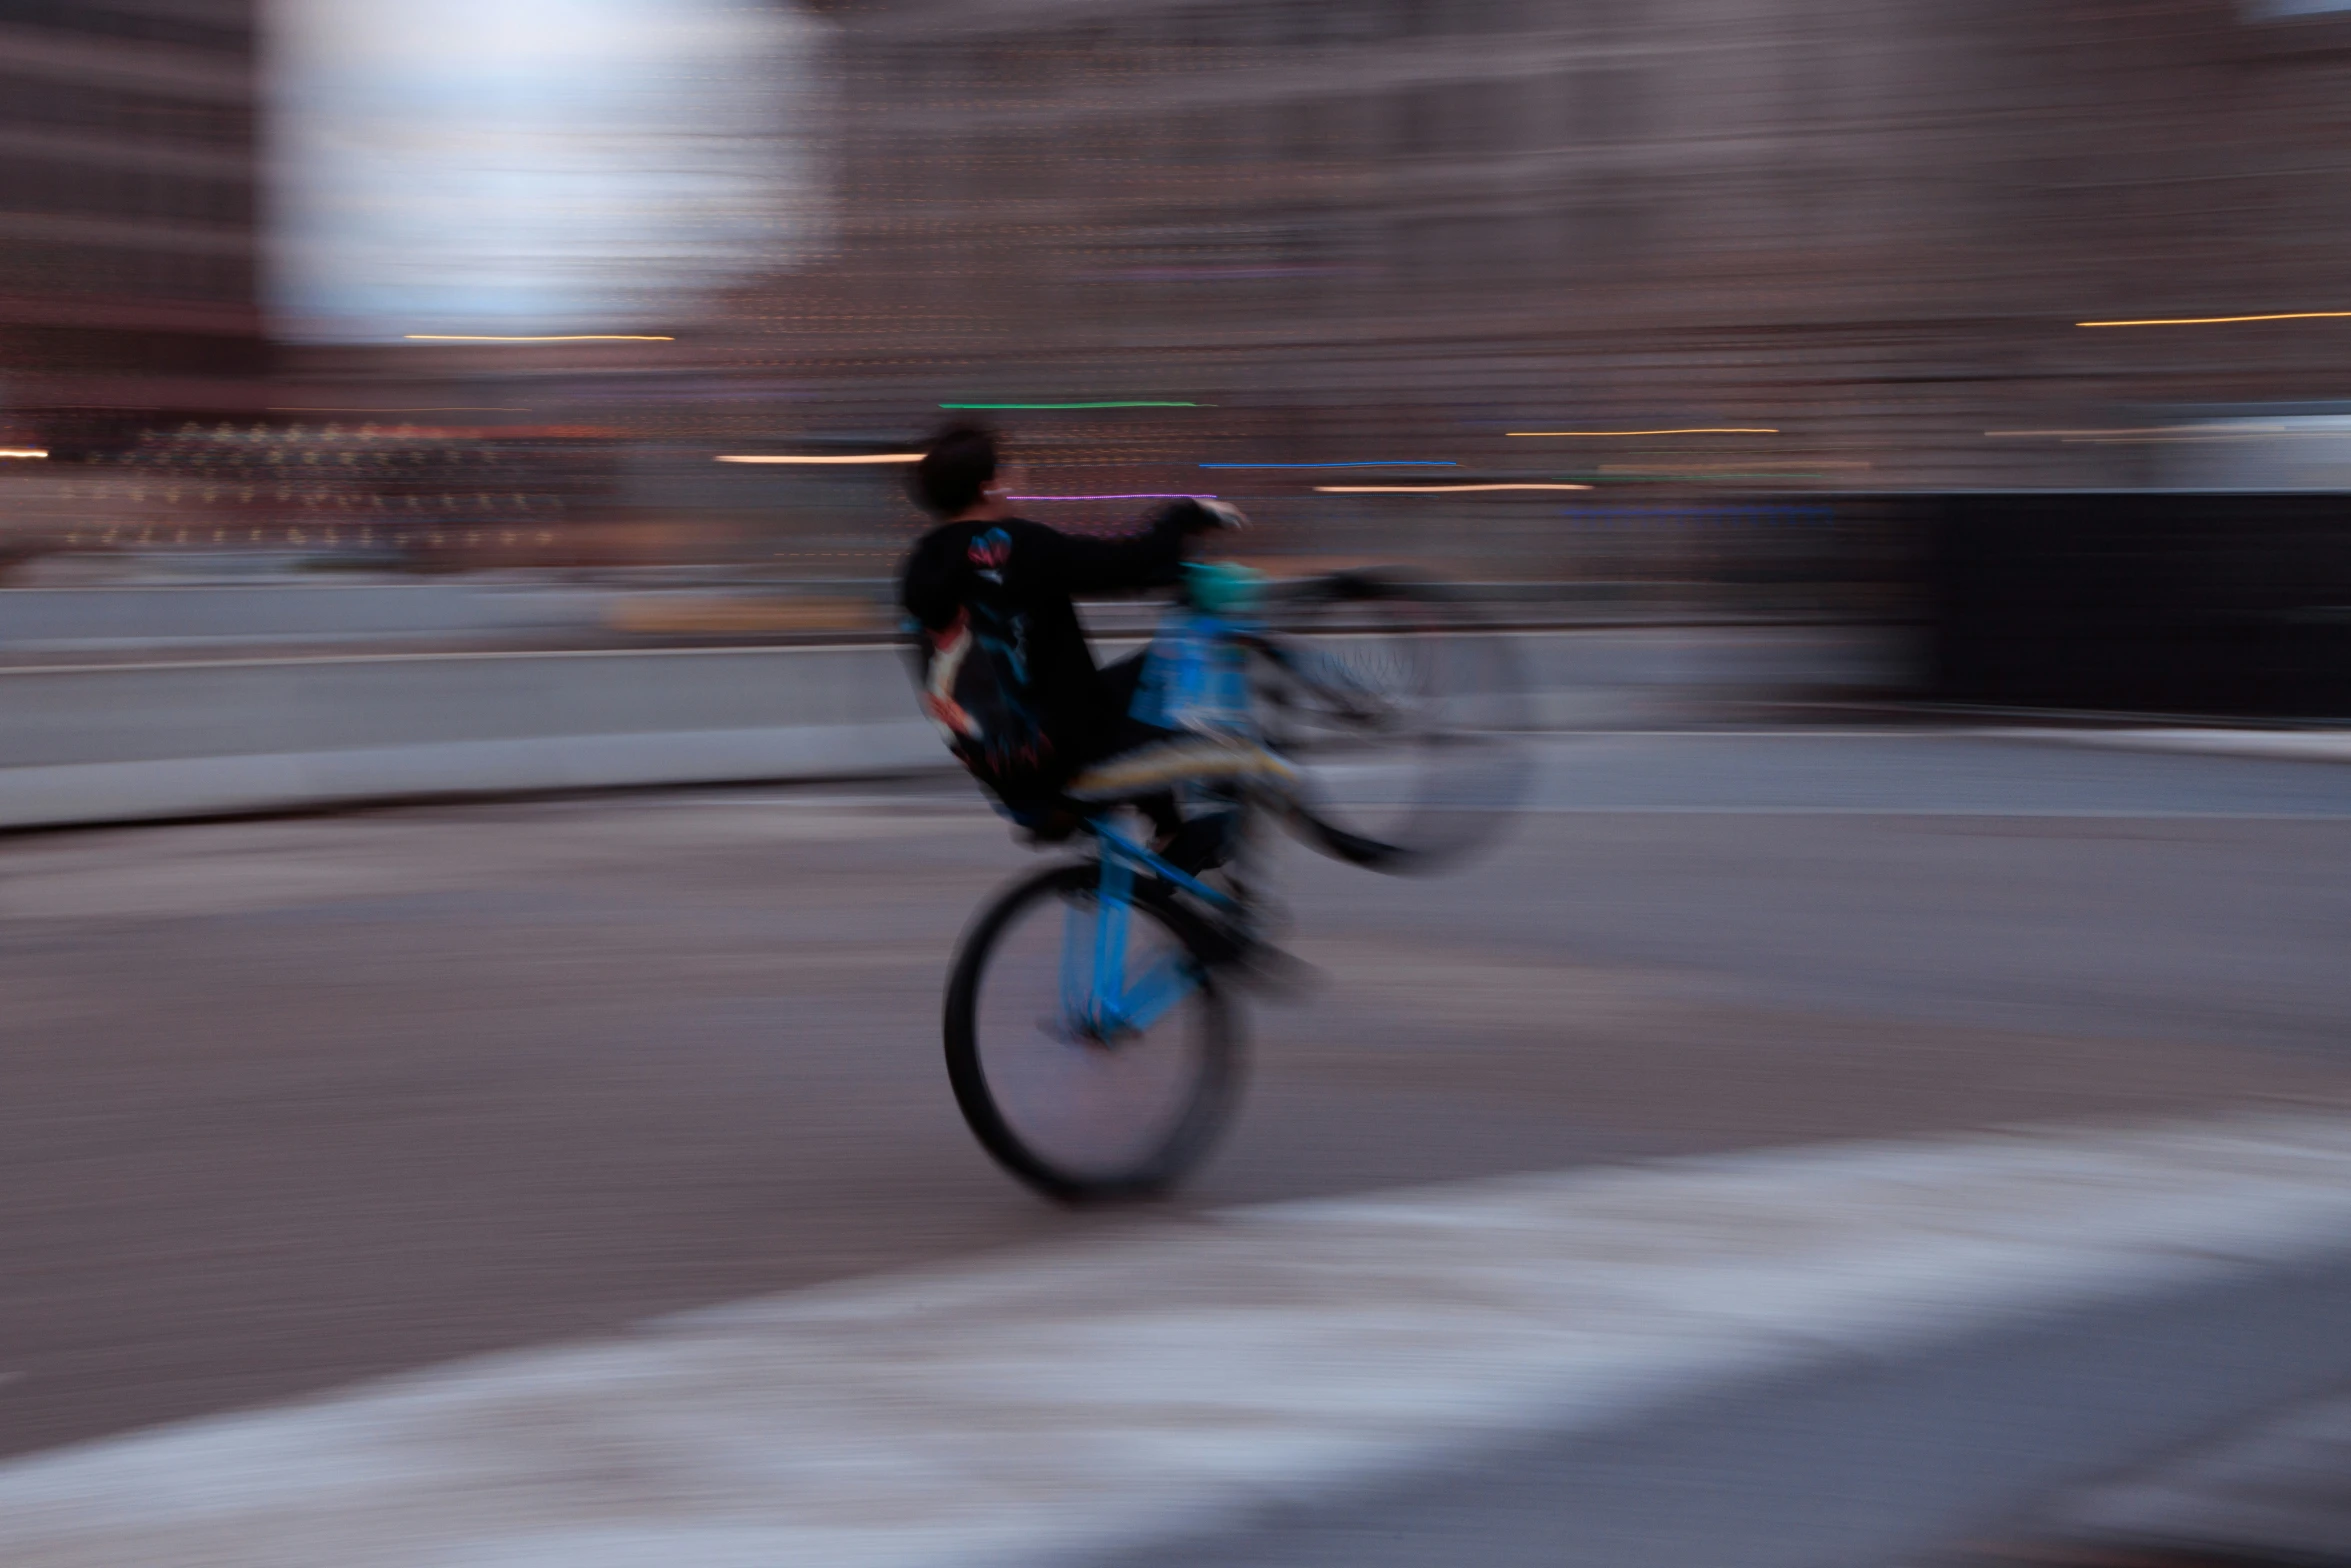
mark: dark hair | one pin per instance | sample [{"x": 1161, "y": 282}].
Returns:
[{"x": 957, "y": 463}]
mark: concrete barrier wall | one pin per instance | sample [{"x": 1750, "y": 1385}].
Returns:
[
  {"x": 107, "y": 743},
  {"x": 269, "y": 612},
  {"x": 1649, "y": 675},
  {"x": 117, "y": 743}
]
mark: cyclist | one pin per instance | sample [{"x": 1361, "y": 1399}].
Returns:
[{"x": 1004, "y": 666}]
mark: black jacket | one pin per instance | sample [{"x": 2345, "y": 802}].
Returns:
[{"x": 1031, "y": 571}]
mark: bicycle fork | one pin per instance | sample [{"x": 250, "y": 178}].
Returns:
[{"x": 1098, "y": 1005}]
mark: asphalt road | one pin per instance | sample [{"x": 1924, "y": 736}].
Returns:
[{"x": 287, "y": 1103}]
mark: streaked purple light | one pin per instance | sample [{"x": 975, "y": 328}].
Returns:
[{"x": 1141, "y": 495}]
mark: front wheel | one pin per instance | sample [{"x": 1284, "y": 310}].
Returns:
[
  {"x": 1077, "y": 1110},
  {"x": 1404, "y": 716}
]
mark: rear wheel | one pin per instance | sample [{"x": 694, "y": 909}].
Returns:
[
  {"x": 1404, "y": 716},
  {"x": 1075, "y": 1112}
]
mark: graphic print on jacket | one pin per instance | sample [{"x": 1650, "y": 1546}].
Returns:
[{"x": 978, "y": 689}]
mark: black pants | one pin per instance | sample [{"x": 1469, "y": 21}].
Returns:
[
  {"x": 1117, "y": 729},
  {"x": 1205, "y": 840}
]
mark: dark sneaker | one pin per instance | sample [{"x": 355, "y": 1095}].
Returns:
[{"x": 1202, "y": 844}]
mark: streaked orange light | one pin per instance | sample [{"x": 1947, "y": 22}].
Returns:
[
  {"x": 2210, "y": 321},
  {"x": 23, "y": 451}
]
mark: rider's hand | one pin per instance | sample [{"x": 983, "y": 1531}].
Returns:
[{"x": 1202, "y": 516}]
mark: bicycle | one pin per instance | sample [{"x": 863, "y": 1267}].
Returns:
[{"x": 1096, "y": 1052}]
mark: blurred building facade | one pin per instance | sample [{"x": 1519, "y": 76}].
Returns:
[
  {"x": 129, "y": 216},
  {"x": 1848, "y": 240},
  {"x": 1360, "y": 230}
]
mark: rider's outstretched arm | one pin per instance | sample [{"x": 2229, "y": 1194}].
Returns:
[{"x": 1125, "y": 563}]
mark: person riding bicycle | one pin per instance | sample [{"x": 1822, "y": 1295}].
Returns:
[{"x": 1005, "y": 670}]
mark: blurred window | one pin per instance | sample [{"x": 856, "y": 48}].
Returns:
[
  {"x": 1489, "y": 16},
  {"x": 41, "y": 101},
  {"x": 1088, "y": 45},
  {"x": 1001, "y": 64},
  {"x": 62, "y": 185},
  {"x": 1017, "y": 167},
  {"x": 1116, "y": 149},
  {"x": 1178, "y": 37},
  {"x": 1312, "y": 25},
  {"x": 1304, "y": 137},
  {"x": 1415, "y": 114},
  {"x": 1450, "y": 120},
  {"x": 1610, "y": 106},
  {"x": 153, "y": 271},
  {"x": 83, "y": 16},
  {"x": 1419, "y": 249},
  {"x": 1615, "y": 219}
]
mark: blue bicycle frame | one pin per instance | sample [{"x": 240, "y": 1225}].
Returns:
[{"x": 1096, "y": 997}]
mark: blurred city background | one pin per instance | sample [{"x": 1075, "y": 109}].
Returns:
[{"x": 1759, "y": 274}]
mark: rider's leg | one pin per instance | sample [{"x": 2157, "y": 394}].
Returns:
[
  {"x": 1186, "y": 781},
  {"x": 1118, "y": 681},
  {"x": 1202, "y": 776},
  {"x": 1173, "y": 758},
  {"x": 1118, "y": 732},
  {"x": 1209, "y": 823}
]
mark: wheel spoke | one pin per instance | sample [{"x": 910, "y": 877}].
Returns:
[{"x": 1401, "y": 718}]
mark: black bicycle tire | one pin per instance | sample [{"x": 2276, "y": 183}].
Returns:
[
  {"x": 1368, "y": 586},
  {"x": 1214, "y": 1093}
]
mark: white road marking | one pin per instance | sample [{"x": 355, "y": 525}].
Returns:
[
  {"x": 1111, "y": 1393},
  {"x": 2332, "y": 745},
  {"x": 938, "y": 818},
  {"x": 928, "y": 805},
  {"x": 931, "y": 811},
  {"x": 2093, "y": 813}
]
